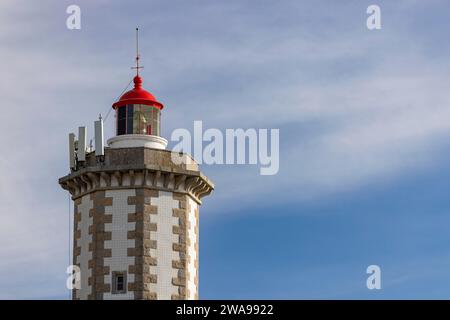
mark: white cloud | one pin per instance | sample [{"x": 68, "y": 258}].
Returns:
[{"x": 353, "y": 107}]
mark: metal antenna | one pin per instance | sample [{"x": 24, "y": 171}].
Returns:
[
  {"x": 137, "y": 53},
  {"x": 131, "y": 80}
]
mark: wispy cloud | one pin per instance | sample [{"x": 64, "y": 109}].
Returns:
[{"x": 353, "y": 106}]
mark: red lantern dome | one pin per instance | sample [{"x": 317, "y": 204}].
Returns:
[{"x": 138, "y": 96}]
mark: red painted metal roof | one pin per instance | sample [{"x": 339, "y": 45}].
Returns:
[{"x": 137, "y": 96}]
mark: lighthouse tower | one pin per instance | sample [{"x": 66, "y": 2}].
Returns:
[{"x": 136, "y": 211}]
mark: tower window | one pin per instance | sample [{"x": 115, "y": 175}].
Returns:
[
  {"x": 119, "y": 282},
  {"x": 121, "y": 121},
  {"x": 130, "y": 110}
]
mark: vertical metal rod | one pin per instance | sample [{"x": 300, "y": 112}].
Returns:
[{"x": 137, "y": 51}]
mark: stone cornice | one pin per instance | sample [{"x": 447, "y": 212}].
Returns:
[
  {"x": 121, "y": 170},
  {"x": 88, "y": 180}
]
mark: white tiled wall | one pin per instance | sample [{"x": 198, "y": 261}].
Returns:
[
  {"x": 119, "y": 243},
  {"x": 191, "y": 250},
  {"x": 164, "y": 238},
  {"x": 83, "y": 242}
]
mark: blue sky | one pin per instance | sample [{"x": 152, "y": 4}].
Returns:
[{"x": 364, "y": 126}]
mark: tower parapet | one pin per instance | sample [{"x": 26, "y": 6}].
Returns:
[{"x": 138, "y": 167}]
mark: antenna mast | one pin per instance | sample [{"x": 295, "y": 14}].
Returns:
[{"x": 137, "y": 54}]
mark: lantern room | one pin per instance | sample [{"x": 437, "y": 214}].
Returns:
[
  {"x": 138, "y": 119},
  {"x": 138, "y": 112}
]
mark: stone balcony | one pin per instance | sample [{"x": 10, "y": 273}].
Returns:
[{"x": 124, "y": 168}]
